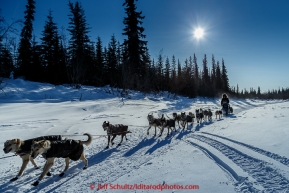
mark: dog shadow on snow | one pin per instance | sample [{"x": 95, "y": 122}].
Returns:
[
  {"x": 144, "y": 143},
  {"x": 182, "y": 133},
  {"x": 15, "y": 186},
  {"x": 147, "y": 142},
  {"x": 27, "y": 180},
  {"x": 8, "y": 186},
  {"x": 94, "y": 159},
  {"x": 160, "y": 143},
  {"x": 199, "y": 126}
]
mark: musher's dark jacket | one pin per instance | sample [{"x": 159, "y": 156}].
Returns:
[
  {"x": 225, "y": 100},
  {"x": 26, "y": 146},
  {"x": 66, "y": 148}
]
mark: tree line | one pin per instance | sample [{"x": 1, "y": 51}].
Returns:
[{"x": 61, "y": 58}]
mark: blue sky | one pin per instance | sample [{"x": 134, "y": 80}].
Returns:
[{"x": 251, "y": 36}]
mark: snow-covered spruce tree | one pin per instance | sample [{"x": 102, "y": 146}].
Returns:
[
  {"x": 25, "y": 46},
  {"x": 80, "y": 50},
  {"x": 135, "y": 48}
]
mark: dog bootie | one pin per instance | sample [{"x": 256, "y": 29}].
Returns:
[
  {"x": 14, "y": 179},
  {"x": 36, "y": 183}
]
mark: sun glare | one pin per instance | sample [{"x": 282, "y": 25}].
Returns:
[{"x": 199, "y": 33}]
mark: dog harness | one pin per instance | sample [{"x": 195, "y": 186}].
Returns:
[
  {"x": 63, "y": 149},
  {"x": 26, "y": 146},
  {"x": 116, "y": 129}
]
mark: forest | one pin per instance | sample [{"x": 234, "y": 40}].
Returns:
[{"x": 75, "y": 60}]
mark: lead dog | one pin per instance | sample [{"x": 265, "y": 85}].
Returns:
[
  {"x": 23, "y": 149},
  {"x": 68, "y": 149}
]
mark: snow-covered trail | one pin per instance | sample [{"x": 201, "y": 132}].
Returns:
[
  {"x": 188, "y": 156},
  {"x": 110, "y": 165},
  {"x": 261, "y": 171}
]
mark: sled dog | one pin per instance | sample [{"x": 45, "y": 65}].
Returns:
[
  {"x": 23, "y": 149},
  {"x": 114, "y": 130},
  {"x": 218, "y": 113},
  {"x": 156, "y": 122},
  {"x": 177, "y": 117},
  {"x": 68, "y": 149},
  {"x": 169, "y": 123}
]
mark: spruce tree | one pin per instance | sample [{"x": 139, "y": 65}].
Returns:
[
  {"x": 225, "y": 79},
  {"x": 50, "y": 51},
  {"x": 99, "y": 63},
  {"x": 213, "y": 73},
  {"x": 205, "y": 88},
  {"x": 196, "y": 76},
  {"x": 6, "y": 62},
  {"x": 160, "y": 72},
  {"x": 167, "y": 74},
  {"x": 37, "y": 73},
  {"x": 135, "y": 47},
  {"x": 111, "y": 62},
  {"x": 174, "y": 74},
  {"x": 259, "y": 92},
  {"x": 80, "y": 50},
  {"x": 219, "y": 85},
  {"x": 25, "y": 45}
]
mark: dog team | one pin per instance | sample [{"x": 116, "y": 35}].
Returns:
[
  {"x": 51, "y": 147},
  {"x": 182, "y": 119}
]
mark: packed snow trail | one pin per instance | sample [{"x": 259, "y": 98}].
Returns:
[
  {"x": 279, "y": 158},
  {"x": 241, "y": 183},
  {"x": 269, "y": 178}
]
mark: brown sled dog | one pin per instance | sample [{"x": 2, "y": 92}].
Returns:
[
  {"x": 68, "y": 149},
  {"x": 23, "y": 149}
]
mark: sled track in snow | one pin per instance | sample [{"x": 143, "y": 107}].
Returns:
[
  {"x": 267, "y": 177},
  {"x": 281, "y": 159},
  {"x": 241, "y": 183}
]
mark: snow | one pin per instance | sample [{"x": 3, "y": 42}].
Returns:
[{"x": 243, "y": 152}]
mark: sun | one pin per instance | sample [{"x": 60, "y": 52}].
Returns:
[{"x": 198, "y": 33}]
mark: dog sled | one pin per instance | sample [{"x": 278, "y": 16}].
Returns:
[{"x": 227, "y": 109}]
